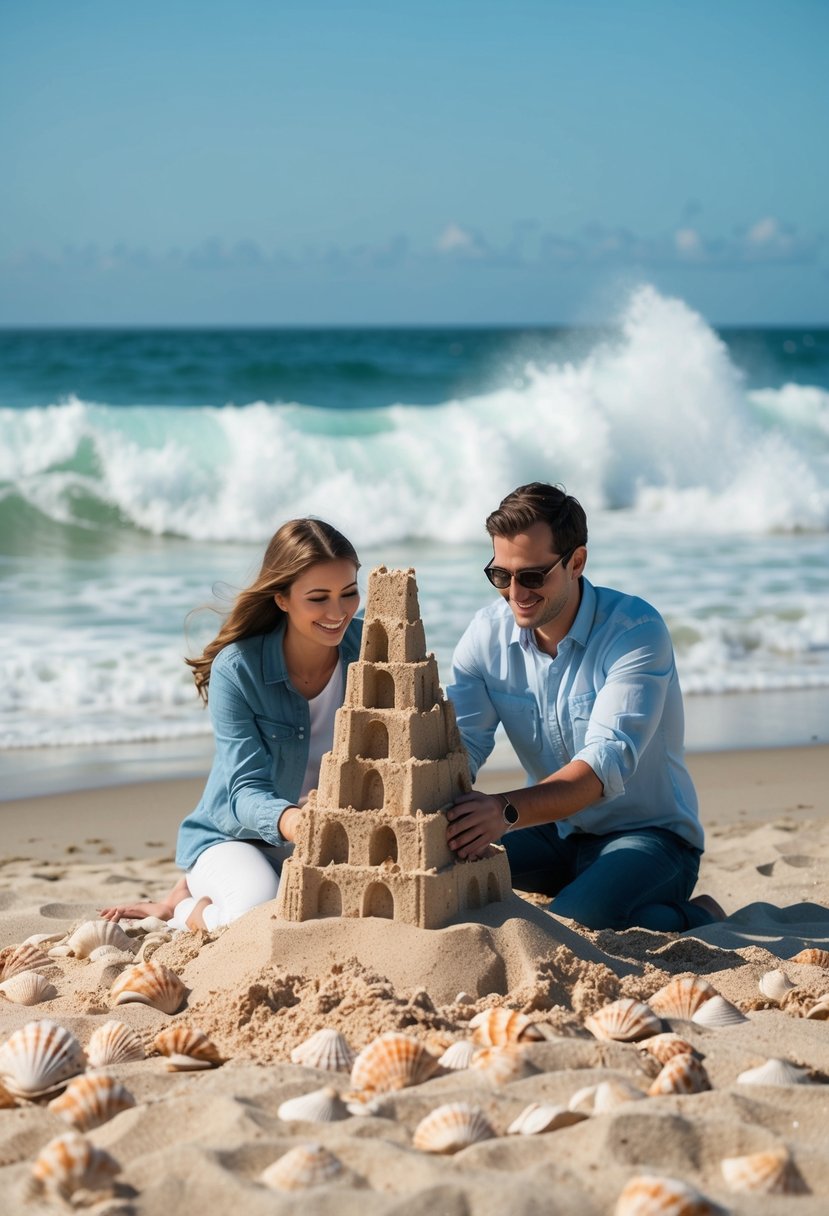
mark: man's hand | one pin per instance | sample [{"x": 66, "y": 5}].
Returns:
[{"x": 475, "y": 822}]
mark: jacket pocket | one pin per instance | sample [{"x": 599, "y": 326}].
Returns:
[
  {"x": 275, "y": 734},
  {"x": 581, "y": 708}
]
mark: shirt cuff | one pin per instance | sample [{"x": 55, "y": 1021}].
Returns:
[{"x": 605, "y": 762}]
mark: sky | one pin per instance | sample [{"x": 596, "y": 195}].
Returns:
[{"x": 445, "y": 161}]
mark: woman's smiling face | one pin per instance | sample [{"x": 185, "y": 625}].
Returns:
[{"x": 321, "y": 601}]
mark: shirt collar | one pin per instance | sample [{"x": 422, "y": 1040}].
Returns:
[{"x": 580, "y": 629}]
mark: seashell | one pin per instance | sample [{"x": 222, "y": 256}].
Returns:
[
  {"x": 303, "y": 1167},
  {"x": 771, "y": 1172},
  {"x": 111, "y": 955},
  {"x": 717, "y": 1012},
  {"x": 150, "y": 944},
  {"x": 651, "y": 1195},
  {"x": 541, "y": 1117},
  {"x": 813, "y": 956},
  {"x": 147, "y": 924},
  {"x": 91, "y": 1100},
  {"x": 70, "y": 1163},
  {"x": 498, "y": 1026},
  {"x": 327, "y": 1049},
  {"x": 451, "y": 1127},
  {"x": 27, "y": 988},
  {"x": 663, "y": 1046},
  {"x": 15, "y": 959},
  {"x": 320, "y": 1106},
  {"x": 683, "y": 1074},
  {"x": 458, "y": 1056},
  {"x": 39, "y": 1058},
  {"x": 501, "y": 1065},
  {"x": 775, "y": 1072},
  {"x": 60, "y": 951},
  {"x": 364, "y": 1106},
  {"x": 187, "y": 1047},
  {"x": 42, "y": 939},
  {"x": 603, "y": 1097},
  {"x": 150, "y": 984},
  {"x": 113, "y": 1043},
  {"x": 682, "y": 997},
  {"x": 93, "y": 933},
  {"x": 624, "y": 1021},
  {"x": 820, "y": 1010},
  {"x": 392, "y": 1061},
  {"x": 775, "y": 984}
]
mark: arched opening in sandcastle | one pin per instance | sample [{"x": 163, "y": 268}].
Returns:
[
  {"x": 382, "y": 846},
  {"x": 374, "y": 793},
  {"x": 378, "y": 901},
  {"x": 493, "y": 890},
  {"x": 329, "y": 900},
  {"x": 376, "y": 644},
  {"x": 380, "y": 690},
  {"x": 473, "y": 894},
  {"x": 377, "y": 741},
  {"x": 334, "y": 845}
]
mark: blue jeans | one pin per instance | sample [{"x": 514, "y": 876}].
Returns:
[{"x": 643, "y": 878}]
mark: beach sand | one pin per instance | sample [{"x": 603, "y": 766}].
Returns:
[{"x": 198, "y": 1141}]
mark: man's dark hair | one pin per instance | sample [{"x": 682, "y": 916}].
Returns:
[{"x": 541, "y": 502}]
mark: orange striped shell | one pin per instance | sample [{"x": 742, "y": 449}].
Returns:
[
  {"x": 149, "y": 983},
  {"x": 70, "y": 1163},
  {"x": 392, "y": 1061},
  {"x": 91, "y": 1100},
  {"x": 624, "y": 1021},
  {"x": 683, "y": 1074},
  {"x": 681, "y": 997},
  {"x": 652, "y": 1195}
]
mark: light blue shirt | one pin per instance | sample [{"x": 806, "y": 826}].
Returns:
[
  {"x": 610, "y": 697},
  {"x": 262, "y": 730}
]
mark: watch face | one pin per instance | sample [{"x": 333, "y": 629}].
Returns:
[{"x": 510, "y": 814}]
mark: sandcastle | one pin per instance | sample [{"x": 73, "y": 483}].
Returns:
[{"x": 372, "y": 841}]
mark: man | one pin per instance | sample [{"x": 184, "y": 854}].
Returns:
[{"x": 584, "y": 681}]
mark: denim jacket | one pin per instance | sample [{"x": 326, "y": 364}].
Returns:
[{"x": 261, "y": 727}]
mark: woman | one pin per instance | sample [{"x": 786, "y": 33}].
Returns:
[{"x": 276, "y": 676}]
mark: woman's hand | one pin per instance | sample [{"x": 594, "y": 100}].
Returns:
[
  {"x": 475, "y": 822},
  {"x": 288, "y": 822}
]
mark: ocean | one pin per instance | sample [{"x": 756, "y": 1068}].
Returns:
[{"x": 142, "y": 472}]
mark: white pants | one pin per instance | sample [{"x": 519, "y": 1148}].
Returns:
[{"x": 235, "y": 876}]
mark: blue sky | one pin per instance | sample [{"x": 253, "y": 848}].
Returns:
[{"x": 311, "y": 162}]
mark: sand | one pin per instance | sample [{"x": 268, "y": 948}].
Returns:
[{"x": 199, "y": 1141}]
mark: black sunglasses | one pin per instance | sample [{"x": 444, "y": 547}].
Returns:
[{"x": 531, "y": 579}]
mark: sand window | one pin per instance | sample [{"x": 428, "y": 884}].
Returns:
[
  {"x": 493, "y": 890},
  {"x": 374, "y": 792},
  {"x": 376, "y": 644},
  {"x": 379, "y": 690},
  {"x": 330, "y": 901},
  {"x": 377, "y": 740},
  {"x": 382, "y": 847},
  {"x": 473, "y": 894},
  {"x": 334, "y": 846},
  {"x": 378, "y": 901}
]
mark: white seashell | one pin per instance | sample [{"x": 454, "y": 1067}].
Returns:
[
  {"x": 663, "y": 1046},
  {"x": 70, "y": 1163},
  {"x": 91, "y": 1100},
  {"x": 771, "y": 1172},
  {"x": 458, "y": 1056},
  {"x": 187, "y": 1048},
  {"x": 111, "y": 955},
  {"x": 392, "y": 1061},
  {"x": 151, "y": 943},
  {"x": 43, "y": 939},
  {"x": 624, "y": 1021},
  {"x": 541, "y": 1117},
  {"x": 651, "y": 1195},
  {"x": 326, "y": 1049},
  {"x": 147, "y": 924},
  {"x": 775, "y": 984},
  {"x": 320, "y": 1106},
  {"x": 39, "y": 1058},
  {"x": 614, "y": 1093},
  {"x": 775, "y": 1072},
  {"x": 451, "y": 1127},
  {"x": 365, "y": 1106},
  {"x": 113, "y": 1043},
  {"x": 93, "y": 933},
  {"x": 14, "y": 959},
  {"x": 59, "y": 951},
  {"x": 500, "y": 1065},
  {"x": 149, "y": 984},
  {"x": 303, "y": 1167},
  {"x": 820, "y": 1010},
  {"x": 717, "y": 1013},
  {"x": 28, "y": 988},
  {"x": 683, "y": 1074},
  {"x": 496, "y": 1027}
]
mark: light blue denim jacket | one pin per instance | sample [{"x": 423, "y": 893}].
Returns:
[
  {"x": 610, "y": 697},
  {"x": 262, "y": 728}
]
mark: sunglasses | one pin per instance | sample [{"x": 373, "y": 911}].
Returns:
[{"x": 531, "y": 579}]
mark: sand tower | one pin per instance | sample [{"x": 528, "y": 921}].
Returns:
[{"x": 372, "y": 841}]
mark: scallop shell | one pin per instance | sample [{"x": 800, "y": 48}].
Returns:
[
  {"x": 113, "y": 1043},
  {"x": 392, "y": 1061},
  {"x": 497, "y": 1027},
  {"x": 26, "y": 957},
  {"x": 458, "y": 1056},
  {"x": 303, "y": 1167},
  {"x": 541, "y": 1117},
  {"x": 110, "y": 955},
  {"x": 91, "y": 1100},
  {"x": 187, "y": 1047},
  {"x": 663, "y": 1046},
  {"x": 150, "y": 984},
  {"x": 775, "y": 984},
  {"x": 717, "y": 1013},
  {"x": 817, "y": 958},
  {"x": 41, "y": 939},
  {"x": 683, "y": 1074},
  {"x": 28, "y": 988},
  {"x": 603, "y": 1097},
  {"x": 39, "y": 1058},
  {"x": 775, "y": 1072},
  {"x": 320, "y": 1106},
  {"x": 451, "y": 1127},
  {"x": 150, "y": 944},
  {"x": 624, "y": 1020},
  {"x": 682, "y": 997},
  {"x": 501, "y": 1065},
  {"x": 820, "y": 1010},
  {"x": 651, "y": 1195},
  {"x": 326, "y": 1049},
  {"x": 70, "y": 1163},
  {"x": 93, "y": 933},
  {"x": 771, "y": 1172}
]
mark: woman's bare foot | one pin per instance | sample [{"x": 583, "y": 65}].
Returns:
[
  {"x": 137, "y": 911},
  {"x": 709, "y": 905},
  {"x": 196, "y": 918}
]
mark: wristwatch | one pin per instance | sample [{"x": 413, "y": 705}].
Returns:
[{"x": 510, "y": 812}]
